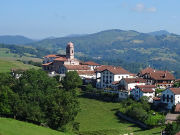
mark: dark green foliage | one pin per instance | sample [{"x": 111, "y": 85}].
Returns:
[
  {"x": 141, "y": 111},
  {"x": 71, "y": 80},
  {"x": 173, "y": 128},
  {"x": 113, "y": 46},
  {"x": 35, "y": 97},
  {"x": 177, "y": 84}
]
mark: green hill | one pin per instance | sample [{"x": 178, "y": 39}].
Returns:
[
  {"x": 161, "y": 51},
  {"x": 98, "y": 118},
  {"x": 15, "y": 39},
  {"x": 14, "y": 127},
  {"x": 7, "y": 64}
]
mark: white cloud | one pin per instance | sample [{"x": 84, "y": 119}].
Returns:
[
  {"x": 139, "y": 7},
  {"x": 151, "y": 9},
  {"x": 142, "y": 8}
]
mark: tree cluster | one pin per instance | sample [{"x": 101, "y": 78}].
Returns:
[
  {"x": 172, "y": 129},
  {"x": 141, "y": 111},
  {"x": 37, "y": 98}
]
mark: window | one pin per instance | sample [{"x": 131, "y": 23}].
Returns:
[
  {"x": 167, "y": 98},
  {"x": 163, "y": 97},
  {"x": 171, "y": 98}
]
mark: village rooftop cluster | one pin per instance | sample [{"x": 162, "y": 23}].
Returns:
[{"x": 116, "y": 79}]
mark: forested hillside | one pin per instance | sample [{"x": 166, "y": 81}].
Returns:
[{"x": 161, "y": 50}]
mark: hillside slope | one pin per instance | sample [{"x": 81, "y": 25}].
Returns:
[
  {"x": 14, "y": 127},
  {"x": 159, "y": 51},
  {"x": 9, "y": 39}
]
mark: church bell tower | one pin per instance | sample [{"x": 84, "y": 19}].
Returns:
[{"x": 70, "y": 51}]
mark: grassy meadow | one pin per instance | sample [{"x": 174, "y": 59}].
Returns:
[
  {"x": 99, "y": 117},
  {"x": 14, "y": 127},
  {"x": 8, "y": 60},
  {"x": 6, "y": 65}
]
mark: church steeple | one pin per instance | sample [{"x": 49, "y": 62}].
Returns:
[{"x": 70, "y": 51}]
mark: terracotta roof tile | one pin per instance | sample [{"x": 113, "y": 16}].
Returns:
[
  {"x": 156, "y": 98},
  {"x": 134, "y": 80},
  {"x": 117, "y": 70},
  {"x": 91, "y": 63},
  {"x": 46, "y": 64},
  {"x": 86, "y": 72},
  {"x": 77, "y": 67},
  {"x": 161, "y": 75},
  {"x": 146, "y": 86},
  {"x": 60, "y": 59},
  {"x": 146, "y": 70},
  {"x": 115, "y": 82},
  {"x": 177, "y": 109},
  {"x": 178, "y": 133},
  {"x": 102, "y": 67},
  {"x": 147, "y": 90},
  {"x": 175, "y": 90}
]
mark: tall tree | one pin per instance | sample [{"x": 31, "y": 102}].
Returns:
[{"x": 71, "y": 80}]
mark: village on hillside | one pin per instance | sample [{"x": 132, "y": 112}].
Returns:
[{"x": 157, "y": 85}]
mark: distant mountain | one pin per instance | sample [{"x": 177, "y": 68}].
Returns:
[
  {"x": 114, "y": 46},
  {"x": 159, "y": 33},
  {"x": 9, "y": 39},
  {"x": 76, "y": 35}
]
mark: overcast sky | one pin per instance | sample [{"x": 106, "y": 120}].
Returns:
[{"x": 44, "y": 18}]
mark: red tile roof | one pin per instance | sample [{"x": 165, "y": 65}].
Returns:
[
  {"x": 175, "y": 90},
  {"x": 178, "y": 133},
  {"x": 161, "y": 75},
  {"x": 116, "y": 70},
  {"x": 177, "y": 109},
  {"x": 60, "y": 59},
  {"x": 146, "y": 70},
  {"x": 77, "y": 67},
  {"x": 46, "y": 64},
  {"x": 134, "y": 80},
  {"x": 156, "y": 98},
  {"x": 52, "y": 55},
  {"x": 146, "y": 88},
  {"x": 115, "y": 82},
  {"x": 102, "y": 67},
  {"x": 91, "y": 63},
  {"x": 86, "y": 72}
]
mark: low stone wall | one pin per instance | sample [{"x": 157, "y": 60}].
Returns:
[{"x": 142, "y": 125}]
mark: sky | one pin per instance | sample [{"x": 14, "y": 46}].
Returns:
[{"x": 39, "y": 19}]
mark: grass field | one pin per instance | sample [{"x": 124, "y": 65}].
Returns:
[
  {"x": 97, "y": 116},
  {"x": 6, "y": 65},
  {"x": 13, "y": 127}
]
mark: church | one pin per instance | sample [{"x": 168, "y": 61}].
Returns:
[{"x": 60, "y": 64}]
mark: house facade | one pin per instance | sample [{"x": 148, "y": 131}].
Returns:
[
  {"x": 144, "y": 90},
  {"x": 162, "y": 79},
  {"x": 130, "y": 83},
  {"x": 112, "y": 74},
  {"x": 170, "y": 97}
]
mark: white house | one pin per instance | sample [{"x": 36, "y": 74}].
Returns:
[
  {"x": 171, "y": 97},
  {"x": 130, "y": 83},
  {"x": 144, "y": 90},
  {"x": 98, "y": 74},
  {"x": 87, "y": 74},
  {"x": 112, "y": 74}
]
